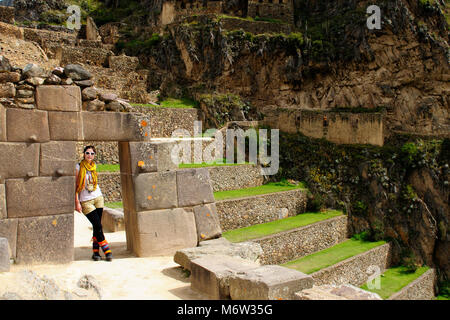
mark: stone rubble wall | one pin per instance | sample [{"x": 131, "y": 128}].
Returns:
[
  {"x": 244, "y": 212},
  {"x": 354, "y": 270},
  {"x": 420, "y": 289},
  {"x": 344, "y": 127},
  {"x": 7, "y": 14},
  {"x": 293, "y": 244}
]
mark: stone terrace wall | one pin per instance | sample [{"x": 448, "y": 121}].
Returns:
[
  {"x": 354, "y": 270},
  {"x": 344, "y": 127},
  {"x": 420, "y": 289},
  {"x": 299, "y": 242},
  {"x": 7, "y": 14},
  {"x": 244, "y": 212},
  {"x": 255, "y": 27}
]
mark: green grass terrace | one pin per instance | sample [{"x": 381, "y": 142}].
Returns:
[
  {"x": 330, "y": 256},
  {"x": 273, "y": 227},
  {"x": 270, "y": 187}
]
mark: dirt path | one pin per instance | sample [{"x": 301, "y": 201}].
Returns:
[{"x": 126, "y": 277}]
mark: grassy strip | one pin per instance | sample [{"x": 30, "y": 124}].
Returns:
[
  {"x": 210, "y": 164},
  {"x": 108, "y": 167},
  {"x": 114, "y": 205},
  {"x": 330, "y": 256},
  {"x": 270, "y": 187},
  {"x": 183, "y": 103},
  {"x": 264, "y": 229},
  {"x": 394, "y": 279}
]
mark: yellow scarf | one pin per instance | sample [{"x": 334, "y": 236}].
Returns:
[{"x": 84, "y": 165}]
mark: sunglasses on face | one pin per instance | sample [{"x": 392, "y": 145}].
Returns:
[{"x": 91, "y": 153}]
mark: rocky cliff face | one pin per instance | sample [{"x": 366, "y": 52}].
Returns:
[{"x": 333, "y": 60}]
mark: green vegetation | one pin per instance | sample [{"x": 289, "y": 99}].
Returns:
[
  {"x": 183, "y": 103},
  {"x": 270, "y": 187},
  {"x": 394, "y": 279},
  {"x": 330, "y": 256},
  {"x": 210, "y": 164},
  {"x": 264, "y": 229},
  {"x": 137, "y": 46},
  {"x": 114, "y": 205},
  {"x": 444, "y": 290},
  {"x": 108, "y": 167}
]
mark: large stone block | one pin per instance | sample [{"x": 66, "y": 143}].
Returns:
[
  {"x": 27, "y": 125},
  {"x": 113, "y": 220},
  {"x": 2, "y": 123},
  {"x": 18, "y": 160},
  {"x": 156, "y": 190},
  {"x": 58, "y": 98},
  {"x": 246, "y": 250},
  {"x": 58, "y": 158},
  {"x": 40, "y": 196},
  {"x": 115, "y": 126},
  {"x": 8, "y": 230},
  {"x": 163, "y": 232},
  {"x": 207, "y": 222},
  {"x": 194, "y": 187},
  {"x": 65, "y": 125},
  {"x": 151, "y": 157},
  {"x": 4, "y": 255},
  {"x": 45, "y": 239},
  {"x": 210, "y": 274},
  {"x": 268, "y": 282}
]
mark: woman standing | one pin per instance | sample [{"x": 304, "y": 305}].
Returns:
[{"x": 89, "y": 200}]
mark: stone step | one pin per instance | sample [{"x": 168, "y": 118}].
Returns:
[
  {"x": 295, "y": 237},
  {"x": 354, "y": 270},
  {"x": 246, "y": 211}
]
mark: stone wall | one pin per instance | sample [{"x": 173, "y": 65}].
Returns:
[
  {"x": 235, "y": 177},
  {"x": 39, "y": 127},
  {"x": 7, "y": 14},
  {"x": 343, "y": 127},
  {"x": 110, "y": 185},
  {"x": 255, "y": 27},
  {"x": 289, "y": 245},
  {"x": 354, "y": 270},
  {"x": 276, "y": 9},
  {"x": 420, "y": 289},
  {"x": 244, "y": 212}
]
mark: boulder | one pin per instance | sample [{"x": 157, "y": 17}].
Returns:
[
  {"x": 95, "y": 105},
  {"x": 7, "y": 90},
  {"x": 5, "y": 66},
  {"x": 113, "y": 220},
  {"x": 108, "y": 97},
  {"x": 77, "y": 72},
  {"x": 211, "y": 274},
  {"x": 89, "y": 93},
  {"x": 269, "y": 282},
  {"x": 53, "y": 79},
  {"x": 84, "y": 83},
  {"x": 113, "y": 106},
  {"x": 245, "y": 250},
  {"x": 9, "y": 77},
  {"x": 32, "y": 70}
]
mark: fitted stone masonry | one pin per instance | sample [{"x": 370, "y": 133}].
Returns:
[{"x": 164, "y": 209}]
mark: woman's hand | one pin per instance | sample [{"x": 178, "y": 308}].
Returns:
[{"x": 78, "y": 207}]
